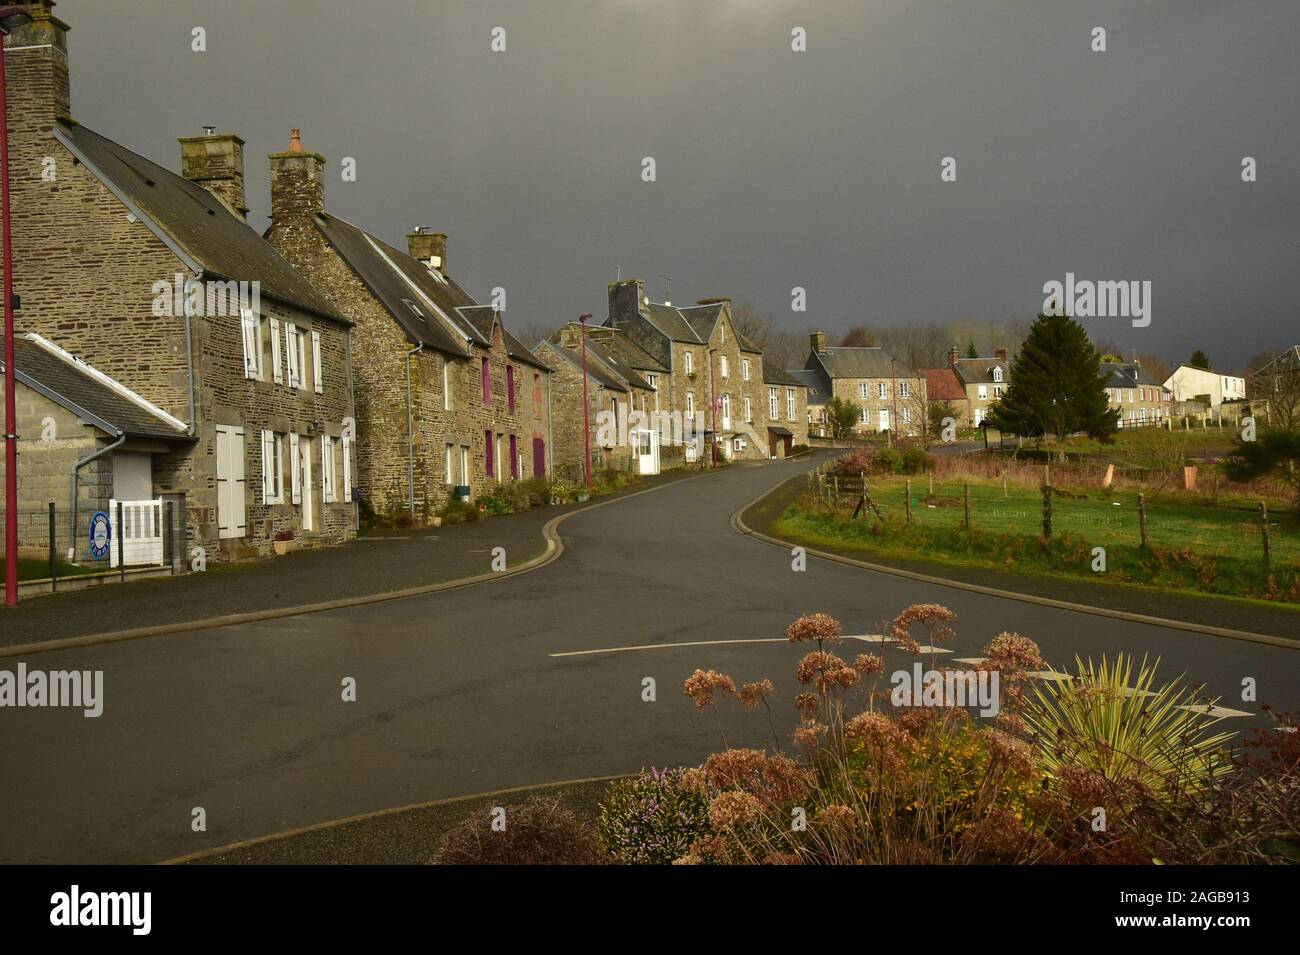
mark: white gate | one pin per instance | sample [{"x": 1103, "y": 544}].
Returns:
[{"x": 142, "y": 534}]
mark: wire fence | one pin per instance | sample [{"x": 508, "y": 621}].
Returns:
[
  {"x": 1105, "y": 518},
  {"x": 122, "y": 537}
]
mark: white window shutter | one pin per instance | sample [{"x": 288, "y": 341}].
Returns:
[
  {"x": 326, "y": 469},
  {"x": 237, "y": 453},
  {"x": 248, "y": 323},
  {"x": 295, "y": 477},
  {"x": 277, "y": 373},
  {"x": 347, "y": 469},
  {"x": 291, "y": 354},
  {"x": 318, "y": 379},
  {"x": 268, "y": 451}
]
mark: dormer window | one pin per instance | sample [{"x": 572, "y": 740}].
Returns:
[{"x": 997, "y": 372}]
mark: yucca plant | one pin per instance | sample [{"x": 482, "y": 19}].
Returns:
[{"x": 1112, "y": 721}]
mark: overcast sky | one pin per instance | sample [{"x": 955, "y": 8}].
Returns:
[{"x": 775, "y": 168}]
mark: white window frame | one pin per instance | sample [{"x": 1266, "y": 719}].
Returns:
[
  {"x": 295, "y": 469},
  {"x": 272, "y": 469},
  {"x": 773, "y": 404},
  {"x": 882, "y": 391},
  {"x": 690, "y": 403},
  {"x": 723, "y": 370},
  {"x": 251, "y": 331},
  {"x": 744, "y": 369},
  {"x": 688, "y": 363},
  {"x": 789, "y": 404},
  {"x": 317, "y": 373},
  {"x": 904, "y": 389},
  {"x": 327, "y": 469},
  {"x": 983, "y": 392},
  {"x": 277, "y": 370},
  {"x": 749, "y": 415},
  {"x": 862, "y": 389},
  {"x": 347, "y": 469},
  {"x": 446, "y": 384},
  {"x": 997, "y": 372}
]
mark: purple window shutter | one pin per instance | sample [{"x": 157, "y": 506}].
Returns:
[
  {"x": 487, "y": 384},
  {"x": 489, "y": 458},
  {"x": 514, "y": 456},
  {"x": 539, "y": 457},
  {"x": 510, "y": 387}
]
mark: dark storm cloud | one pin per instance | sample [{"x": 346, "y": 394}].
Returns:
[{"x": 775, "y": 169}]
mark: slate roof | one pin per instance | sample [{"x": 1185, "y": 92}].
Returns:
[
  {"x": 191, "y": 221},
  {"x": 941, "y": 384},
  {"x": 633, "y": 355},
  {"x": 612, "y": 359},
  {"x": 1127, "y": 376},
  {"x": 430, "y": 307},
  {"x": 672, "y": 323},
  {"x": 777, "y": 376},
  {"x": 976, "y": 371},
  {"x": 818, "y": 389},
  {"x": 855, "y": 362},
  {"x": 88, "y": 393},
  {"x": 594, "y": 371}
]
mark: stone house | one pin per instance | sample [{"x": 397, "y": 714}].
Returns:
[
  {"x": 713, "y": 371},
  {"x": 1190, "y": 384},
  {"x": 1141, "y": 400},
  {"x": 885, "y": 389},
  {"x": 942, "y": 386},
  {"x": 787, "y": 411},
  {"x": 984, "y": 381},
  {"x": 446, "y": 397},
  {"x": 815, "y": 399},
  {"x": 623, "y": 432},
  {"x": 156, "y": 281}
]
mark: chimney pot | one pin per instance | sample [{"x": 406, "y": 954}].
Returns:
[
  {"x": 295, "y": 141},
  {"x": 297, "y": 182}
]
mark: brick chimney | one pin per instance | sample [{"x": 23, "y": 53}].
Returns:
[
  {"x": 297, "y": 184},
  {"x": 953, "y": 355},
  {"x": 818, "y": 341},
  {"x": 216, "y": 162},
  {"x": 38, "y": 87},
  {"x": 1000, "y": 354},
  {"x": 626, "y": 299},
  {"x": 428, "y": 246}
]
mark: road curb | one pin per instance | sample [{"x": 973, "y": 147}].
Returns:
[
  {"x": 378, "y": 813},
  {"x": 739, "y": 525},
  {"x": 554, "y": 548}
]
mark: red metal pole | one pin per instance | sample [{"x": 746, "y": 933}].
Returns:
[
  {"x": 11, "y": 413},
  {"x": 713, "y": 408},
  {"x": 586, "y": 415}
]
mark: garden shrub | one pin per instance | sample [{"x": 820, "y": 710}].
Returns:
[
  {"x": 458, "y": 512},
  {"x": 539, "y": 832},
  {"x": 652, "y": 819}
]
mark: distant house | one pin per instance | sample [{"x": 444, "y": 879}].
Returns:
[
  {"x": 446, "y": 397},
  {"x": 622, "y": 398},
  {"x": 983, "y": 381},
  {"x": 885, "y": 389},
  {"x": 816, "y": 394},
  {"x": 943, "y": 386},
  {"x": 1196, "y": 384},
  {"x": 1139, "y": 397},
  {"x": 158, "y": 285},
  {"x": 787, "y": 411}
]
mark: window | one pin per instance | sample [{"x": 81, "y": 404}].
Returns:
[
  {"x": 317, "y": 373},
  {"x": 510, "y": 388},
  {"x": 722, "y": 333},
  {"x": 1130, "y": 396},
  {"x": 327, "y": 468},
  {"x": 722, "y": 366},
  {"x": 449, "y": 464},
  {"x": 653, "y": 381},
  {"x": 252, "y": 331},
  {"x": 749, "y": 415},
  {"x": 882, "y": 390},
  {"x": 347, "y": 468},
  {"x": 772, "y": 411},
  {"x": 272, "y": 473},
  {"x": 983, "y": 392},
  {"x": 295, "y": 470},
  {"x": 446, "y": 385},
  {"x": 232, "y": 520},
  {"x": 744, "y": 369},
  {"x": 726, "y": 412},
  {"x": 500, "y": 465},
  {"x": 277, "y": 372},
  {"x": 907, "y": 415},
  {"x": 789, "y": 404},
  {"x": 489, "y": 451},
  {"x": 863, "y": 416},
  {"x": 537, "y": 395},
  {"x": 487, "y": 384},
  {"x": 904, "y": 389},
  {"x": 462, "y": 472},
  {"x": 514, "y": 456},
  {"x": 997, "y": 391},
  {"x": 688, "y": 363},
  {"x": 997, "y": 372},
  {"x": 293, "y": 341},
  {"x": 862, "y": 389}
]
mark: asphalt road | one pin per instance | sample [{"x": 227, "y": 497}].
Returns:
[{"x": 463, "y": 691}]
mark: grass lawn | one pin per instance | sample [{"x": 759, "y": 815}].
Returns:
[
  {"x": 40, "y": 569},
  {"x": 1214, "y": 550}
]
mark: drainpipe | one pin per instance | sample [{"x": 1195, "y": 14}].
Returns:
[
  {"x": 352, "y": 412},
  {"x": 550, "y": 438},
  {"x": 94, "y": 455},
  {"x": 189, "y": 370},
  {"x": 410, "y": 431}
]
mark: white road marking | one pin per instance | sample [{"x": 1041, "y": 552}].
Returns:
[
  {"x": 1217, "y": 711},
  {"x": 666, "y": 646}
]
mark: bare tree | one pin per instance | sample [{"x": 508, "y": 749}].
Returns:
[
  {"x": 859, "y": 336},
  {"x": 1277, "y": 385}
]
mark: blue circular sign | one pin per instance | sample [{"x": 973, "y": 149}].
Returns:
[{"x": 101, "y": 535}]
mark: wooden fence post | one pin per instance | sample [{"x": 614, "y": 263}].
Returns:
[
  {"x": 1263, "y": 526},
  {"x": 1004, "y": 482},
  {"x": 907, "y": 489},
  {"x": 966, "y": 503},
  {"x": 1142, "y": 519},
  {"x": 1047, "y": 511}
]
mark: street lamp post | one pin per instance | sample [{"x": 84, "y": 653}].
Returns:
[
  {"x": 10, "y": 17},
  {"x": 586, "y": 416}
]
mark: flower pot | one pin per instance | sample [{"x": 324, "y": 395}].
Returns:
[{"x": 284, "y": 547}]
